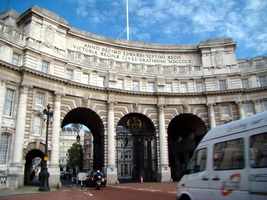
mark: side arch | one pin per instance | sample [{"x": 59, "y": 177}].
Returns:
[{"x": 184, "y": 133}]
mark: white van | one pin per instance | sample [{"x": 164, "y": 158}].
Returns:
[{"x": 230, "y": 162}]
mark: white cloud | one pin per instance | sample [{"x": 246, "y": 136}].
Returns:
[{"x": 168, "y": 20}]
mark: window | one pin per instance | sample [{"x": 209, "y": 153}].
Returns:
[
  {"x": 183, "y": 87},
  {"x": 199, "y": 87},
  {"x": 135, "y": 86},
  {"x": 150, "y": 87},
  {"x": 37, "y": 125},
  {"x": 168, "y": 87},
  {"x": 101, "y": 81},
  {"x": 85, "y": 78},
  {"x": 245, "y": 84},
  {"x": 45, "y": 66},
  {"x": 222, "y": 85},
  {"x": 198, "y": 161},
  {"x": 120, "y": 84},
  {"x": 9, "y": 102},
  {"x": 263, "y": 81},
  {"x": 229, "y": 155},
  {"x": 16, "y": 59},
  {"x": 258, "y": 150},
  {"x": 249, "y": 108},
  {"x": 39, "y": 99},
  {"x": 4, "y": 140},
  {"x": 265, "y": 105},
  {"x": 69, "y": 74},
  {"x": 225, "y": 111}
]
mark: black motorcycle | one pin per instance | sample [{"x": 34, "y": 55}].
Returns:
[{"x": 98, "y": 179}]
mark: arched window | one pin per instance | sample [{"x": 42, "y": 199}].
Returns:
[{"x": 4, "y": 140}]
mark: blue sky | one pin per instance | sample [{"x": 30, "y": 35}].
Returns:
[{"x": 165, "y": 21}]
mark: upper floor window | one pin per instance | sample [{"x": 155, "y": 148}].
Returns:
[
  {"x": 39, "y": 98},
  {"x": 249, "y": 108},
  {"x": 199, "y": 87},
  {"x": 245, "y": 83},
  {"x": 135, "y": 85},
  {"x": 4, "y": 142},
  {"x": 101, "y": 81},
  {"x": 69, "y": 74},
  {"x": 168, "y": 87},
  {"x": 222, "y": 85},
  {"x": 225, "y": 111},
  {"x": 37, "y": 125},
  {"x": 265, "y": 105},
  {"x": 85, "y": 78},
  {"x": 120, "y": 84},
  {"x": 263, "y": 81},
  {"x": 9, "y": 102},
  {"x": 16, "y": 59},
  {"x": 45, "y": 66},
  {"x": 150, "y": 87},
  {"x": 183, "y": 87}
]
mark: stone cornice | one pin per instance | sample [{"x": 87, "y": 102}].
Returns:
[{"x": 24, "y": 69}]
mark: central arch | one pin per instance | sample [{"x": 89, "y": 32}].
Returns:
[
  {"x": 91, "y": 120},
  {"x": 136, "y": 148},
  {"x": 184, "y": 133}
]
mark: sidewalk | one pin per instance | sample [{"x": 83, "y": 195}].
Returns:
[
  {"x": 152, "y": 186},
  {"x": 22, "y": 191}
]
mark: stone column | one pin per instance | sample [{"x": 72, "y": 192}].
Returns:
[
  {"x": 17, "y": 162},
  {"x": 241, "y": 111},
  {"x": 2, "y": 99},
  {"x": 164, "y": 164},
  {"x": 54, "y": 169},
  {"x": 55, "y": 130},
  {"x": 20, "y": 126},
  {"x": 211, "y": 115},
  {"x": 111, "y": 166}
]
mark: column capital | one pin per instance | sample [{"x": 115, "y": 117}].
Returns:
[
  {"x": 24, "y": 88},
  {"x": 161, "y": 106},
  {"x": 111, "y": 104},
  {"x": 211, "y": 104},
  {"x": 58, "y": 95}
]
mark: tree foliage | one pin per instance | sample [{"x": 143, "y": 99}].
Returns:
[{"x": 75, "y": 157}]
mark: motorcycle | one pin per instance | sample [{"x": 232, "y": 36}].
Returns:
[{"x": 98, "y": 182}]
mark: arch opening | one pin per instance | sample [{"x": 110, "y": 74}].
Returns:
[
  {"x": 136, "y": 149},
  {"x": 92, "y": 121},
  {"x": 184, "y": 133},
  {"x": 33, "y": 167}
]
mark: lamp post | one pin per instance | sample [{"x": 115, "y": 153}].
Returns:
[{"x": 44, "y": 174}]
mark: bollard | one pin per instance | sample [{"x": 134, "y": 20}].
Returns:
[{"x": 142, "y": 179}]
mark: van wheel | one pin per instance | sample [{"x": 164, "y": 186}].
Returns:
[{"x": 185, "y": 197}]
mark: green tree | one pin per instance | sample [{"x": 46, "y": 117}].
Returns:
[{"x": 75, "y": 158}]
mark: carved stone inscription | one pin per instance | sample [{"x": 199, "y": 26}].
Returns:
[{"x": 136, "y": 57}]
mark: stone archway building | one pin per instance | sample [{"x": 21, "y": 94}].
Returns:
[{"x": 44, "y": 61}]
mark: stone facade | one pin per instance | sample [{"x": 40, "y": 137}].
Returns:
[{"x": 167, "y": 96}]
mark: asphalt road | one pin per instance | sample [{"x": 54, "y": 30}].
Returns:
[{"x": 111, "y": 192}]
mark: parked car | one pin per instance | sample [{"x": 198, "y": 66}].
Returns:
[
  {"x": 90, "y": 182},
  {"x": 65, "y": 175}
]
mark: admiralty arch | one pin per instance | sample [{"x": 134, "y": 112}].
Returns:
[{"x": 162, "y": 99}]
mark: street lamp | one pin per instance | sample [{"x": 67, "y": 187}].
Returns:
[{"x": 44, "y": 174}]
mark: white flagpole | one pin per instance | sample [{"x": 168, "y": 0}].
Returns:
[{"x": 127, "y": 18}]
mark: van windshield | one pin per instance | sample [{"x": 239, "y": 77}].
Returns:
[{"x": 197, "y": 162}]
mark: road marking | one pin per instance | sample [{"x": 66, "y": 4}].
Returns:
[{"x": 88, "y": 193}]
